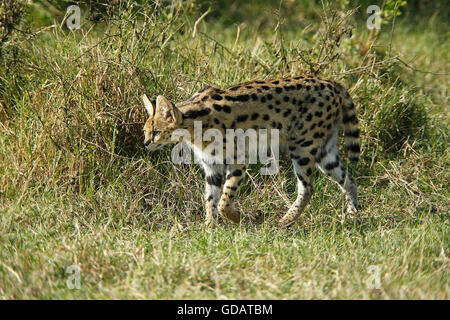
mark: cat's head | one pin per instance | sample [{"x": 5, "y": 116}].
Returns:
[{"x": 163, "y": 119}]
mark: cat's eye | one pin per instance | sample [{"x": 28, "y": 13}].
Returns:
[{"x": 155, "y": 134}]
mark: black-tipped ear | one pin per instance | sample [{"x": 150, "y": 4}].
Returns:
[
  {"x": 167, "y": 109},
  {"x": 149, "y": 105}
]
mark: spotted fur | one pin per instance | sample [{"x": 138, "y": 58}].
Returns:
[{"x": 308, "y": 111}]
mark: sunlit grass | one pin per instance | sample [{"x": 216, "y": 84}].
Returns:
[{"x": 77, "y": 187}]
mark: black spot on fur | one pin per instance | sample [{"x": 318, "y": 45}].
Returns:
[
  {"x": 349, "y": 118},
  {"x": 332, "y": 165},
  {"x": 350, "y": 133},
  {"x": 302, "y": 180},
  {"x": 322, "y": 154},
  {"x": 215, "y": 180},
  {"x": 287, "y": 113},
  {"x": 235, "y": 173},
  {"x": 318, "y": 135},
  {"x": 192, "y": 114},
  {"x": 243, "y": 97},
  {"x": 354, "y": 148},
  {"x": 226, "y": 109},
  {"x": 242, "y": 118},
  {"x": 307, "y": 143},
  {"x": 303, "y": 161}
]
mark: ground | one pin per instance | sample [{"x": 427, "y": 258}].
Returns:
[{"x": 80, "y": 196}]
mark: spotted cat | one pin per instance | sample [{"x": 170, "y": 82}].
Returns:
[{"x": 309, "y": 113}]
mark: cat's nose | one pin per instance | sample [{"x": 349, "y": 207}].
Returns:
[{"x": 146, "y": 143}]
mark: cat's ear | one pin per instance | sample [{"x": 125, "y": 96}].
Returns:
[
  {"x": 167, "y": 110},
  {"x": 149, "y": 106}
]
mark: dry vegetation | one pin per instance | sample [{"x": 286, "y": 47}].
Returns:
[{"x": 78, "y": 188}]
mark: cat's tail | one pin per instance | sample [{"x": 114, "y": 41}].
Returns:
[{"x": 350, "y": 126}]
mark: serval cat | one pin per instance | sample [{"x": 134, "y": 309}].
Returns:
[{"x": 309, "y": 113}]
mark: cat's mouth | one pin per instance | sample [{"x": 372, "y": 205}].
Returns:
[{"x": 155, "y": 146}]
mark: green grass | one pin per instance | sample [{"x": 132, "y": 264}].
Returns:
[{"x": 78, "y": 188}]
